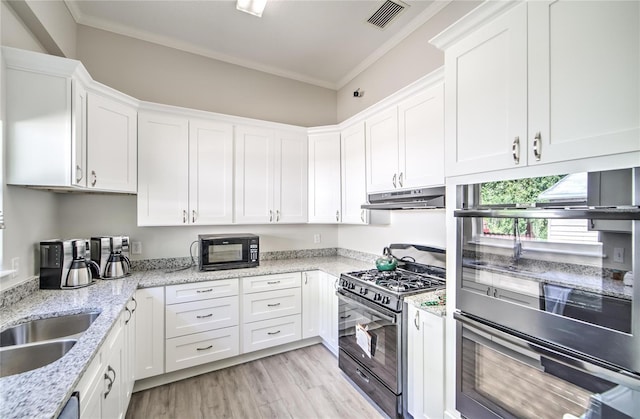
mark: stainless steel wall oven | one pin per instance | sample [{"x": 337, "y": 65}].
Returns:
[{"x": 551, "y": 280}]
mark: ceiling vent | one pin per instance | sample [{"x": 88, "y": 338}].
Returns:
[{"x": 386, "y": 13}]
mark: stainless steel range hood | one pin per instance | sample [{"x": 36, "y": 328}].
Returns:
[{"x": 421, "y": 198}]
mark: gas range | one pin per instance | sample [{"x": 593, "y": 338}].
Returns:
[{"x": 388, "y": 288}]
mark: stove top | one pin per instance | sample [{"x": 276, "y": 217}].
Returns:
[{"x": 388, "y": 288}]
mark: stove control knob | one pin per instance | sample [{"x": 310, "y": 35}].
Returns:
[
  {"x": 386, "y": 300},
  {"x": 377, "y": 297}
]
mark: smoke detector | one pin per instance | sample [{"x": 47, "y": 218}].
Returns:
[{"x": 386, "y": 13}]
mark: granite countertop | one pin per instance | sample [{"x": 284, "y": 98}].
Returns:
[
  {"x": 43, "y": 392},
  {"x": 434, "y": 302}
]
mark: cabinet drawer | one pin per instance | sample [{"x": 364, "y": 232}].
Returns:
[
  {"x": 271, "y": 304},
  {"x": 200, "y": 348},
  {"x": 201, "y": 291},
  {"x": 267, "y": 333},
  {"x": 200, "y": 316},
  {"x": 271, "y": 282}
]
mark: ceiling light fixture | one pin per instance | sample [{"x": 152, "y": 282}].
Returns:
[{"x": 253, "y": 7}]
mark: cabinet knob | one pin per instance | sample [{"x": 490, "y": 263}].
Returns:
[
  {"x": 94, "y": 178},
  {"x": 515, "y": 150},
  {"x": 393, "y": 180},
  {"x": 79, "y": 173},
  {"x": 537, "y": 145}
]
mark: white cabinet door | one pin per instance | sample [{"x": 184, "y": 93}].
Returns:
[
  {"x": 324, "y": 177},
  {"x": 90, "y": 389},
  {"x": 425, "y": 364},
  {"x": 382, "y": 151},
  {"x": 290, "y": 189},
  {"x": 150, "y": 340},
  {"x": 254, "y": 175},
  {"x": 267, "y": 333},
  {"x": 163, "y": 193},
  {"x": 421, "y": 132},
  {"x": 129, "y": 364},
  {"x": 114, "y": 391},
  {"x": 79, "y": 135},
  {"x": 486, "y": 96},
  {"x": 271, "y": 304},
  {"x": 584, "y": 79},
  {"x": 210, "y": 172},
  {"x": 311, "y": 301},
  {"x": 112, "y": 134},
  {"x": 329, "y": 312},
  {"x": 201, "y": 348},
  {"x": 354, "y": 174}
]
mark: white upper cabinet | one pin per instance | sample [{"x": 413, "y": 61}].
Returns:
[
  {"x": 353, "y": 170},
  {"x": 270, "y": 176},
  {"x": 584, "y": 79},
  {"x": 405, "y": 143},
  {"x": 324, "y": 177},
  {"x": 543, "y": 82},
  {"x": 65, "y": 131},
  {"x": 112, "y": 134},
  {"x": 185, "y": 170}
]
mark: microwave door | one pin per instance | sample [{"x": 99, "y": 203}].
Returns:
[{"x": 505, "y": 376}]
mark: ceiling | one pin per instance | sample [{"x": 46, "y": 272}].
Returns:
[{"x": 322, "y": 42}]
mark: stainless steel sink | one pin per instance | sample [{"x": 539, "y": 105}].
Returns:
[
  {"x": 19, "y": 359},
  {"x": 47, "y": 329}
]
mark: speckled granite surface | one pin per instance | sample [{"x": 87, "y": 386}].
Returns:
[
  {"x": 42, "y": 393},
  {"x": 16, "y": 293},
  {"x": 431, "y": 301}
]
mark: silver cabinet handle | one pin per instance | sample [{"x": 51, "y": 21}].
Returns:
[
  {"x": 537, "y": 145},
  {"x": 201, "y": 291},
  {"x": 400, "y": 179},
  {"x": 136, "y": 306},
  {"x": 109, "y": 386},
  {"x": 337, "y": 215},
  {"x": 109, "y": 369},
  {"x": 130, "y": 315},
  {"x": 273, "y": 282},
  {"x": 495, "y": 293},
  {"x": 94, "y": 178},
  {"x": 515, "y": 150},
  {"x": 394, "y": 180},
  {"x": 273, "y": 305},
  {"x": 362, "y": 215},
  {"x": 79, "y": 173},
  {"x": 489, "y": 291},
  {"x": 277, "y": 216},
  {"x": 205, "y": 316},
  {"x": 273, "y": 333},
  {"x": 184, "y": 216},
  {"x": 204, "y": 349},
  {"x": 361, "y": 374},
  {"x": 416, "y": 320},
  {"x": 270, "y": 216},
  {"x": 306, "y": 278},
  {"x": 193, "y": 216}
]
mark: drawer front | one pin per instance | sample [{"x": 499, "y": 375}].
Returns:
[
  {"x": 271, "y": 304},
  {"x": 271, "y": 282},
  {"x": 201, "y": 291},
  {"x": 268, "y": 333},
  {"x": 200, "y": 348},
  {"x": 200, "y": 316}
]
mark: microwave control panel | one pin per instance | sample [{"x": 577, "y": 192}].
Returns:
[{"x": 253, "y": 251}]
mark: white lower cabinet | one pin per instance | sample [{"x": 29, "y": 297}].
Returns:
[
  {"x": 200, "y": 348},
  {"x": 328, "y": 312},
  {"x": 129, "y": 364},
  {"x": 149, "y": 332},
  {"x": 271, "y": 311},
  {"x": 201, "y": 328},
  {"x": 102, "y": 387},
  {"x": 425, "y": 364},
  {"x": 310, "y": 304}
]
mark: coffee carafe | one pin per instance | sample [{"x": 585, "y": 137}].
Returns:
[
  {"x": 118, "y": 265},
  {"x": 82, "y": 271}
]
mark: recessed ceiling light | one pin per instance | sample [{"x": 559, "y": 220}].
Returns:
[{"x": 253, "y": 7}]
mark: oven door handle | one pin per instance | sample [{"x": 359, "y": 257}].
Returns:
[
  {"x": 588, "y": 366},
  {"x": 379, "y": 311}
]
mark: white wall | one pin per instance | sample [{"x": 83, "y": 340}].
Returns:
[
  {"x": 413, "y": 58},
  {"x": 84, "y": 215},
  {"x": 15, "y": 33},
  {"x": 166, "y": 75},
  {"x": 426, "y": 227}
]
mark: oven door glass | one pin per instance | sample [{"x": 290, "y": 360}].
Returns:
[
  {"x": 503, "y": 377},
  {"x": 371, "y": 336}
]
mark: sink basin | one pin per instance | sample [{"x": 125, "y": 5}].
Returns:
[
  {"x": 47, "y": 329},
  {"x": 19, "y": 359}
]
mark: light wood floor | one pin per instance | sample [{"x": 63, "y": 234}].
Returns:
[{"x": 305, "y": 383}]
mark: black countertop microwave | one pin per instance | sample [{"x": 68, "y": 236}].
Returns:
[{"x": 228, "y": 251}]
